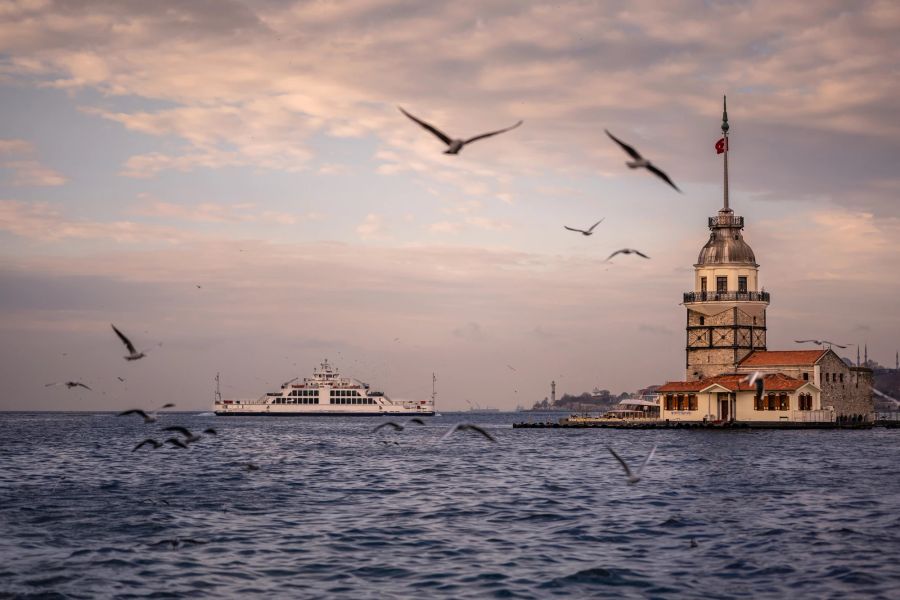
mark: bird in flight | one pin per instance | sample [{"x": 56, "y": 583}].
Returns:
[
  {"x": 156, "y": 445},
  {"x": 132, "y": 353},
  {"x": 627, "y": 251},
  {"x": 639, "y": 161},
  {"x": 468, "y": 427},
  {"x": 177, "y": 443},
  {"x": 819, "y": 343},
  {"x": 633, "y": 476},
  {"x": 589, "y": 231},
  {"x": 399, "y": 426},
  {"x": 189, "y": 438},
  {"x": 148, "y": 416},
  {"x": 756, "y": 378},
  {"x": 455, "y": 145},
  {"x": 69, "y": 384}
]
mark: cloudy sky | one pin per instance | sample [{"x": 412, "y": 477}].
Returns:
[{"x": 255, "y": 149}]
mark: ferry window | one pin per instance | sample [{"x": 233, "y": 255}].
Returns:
[
  {"x": 721, "y": 284},
  {"x": 742, "y": 285}
]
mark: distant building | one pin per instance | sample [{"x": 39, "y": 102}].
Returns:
[{"x": 726, "y": 343}]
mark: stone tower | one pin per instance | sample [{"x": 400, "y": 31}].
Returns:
[{"x": 726, "y": 312}]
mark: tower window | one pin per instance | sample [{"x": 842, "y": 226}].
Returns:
[
  {"x": 702, "y": 320},
  {"x": 806, "y": 377},
  {"x": 721, "y": 284},
  {"x": 742, "y": 285},
  {"x": 703, "y": 284}
]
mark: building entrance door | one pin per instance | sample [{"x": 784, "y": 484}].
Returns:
[{"x": 723, "y": 409}]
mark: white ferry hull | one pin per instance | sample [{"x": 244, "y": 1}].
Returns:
[{"x": 325, "y": 394}]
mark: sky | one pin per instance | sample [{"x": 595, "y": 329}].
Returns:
[{"x": 232, "y": 185}]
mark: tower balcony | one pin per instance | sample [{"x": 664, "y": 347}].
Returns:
[
  {"x": 690, "y": 297},
  {"x": 726, "y": 220}
]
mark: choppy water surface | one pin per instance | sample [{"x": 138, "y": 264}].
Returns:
[{"x": 333, "y": 511}]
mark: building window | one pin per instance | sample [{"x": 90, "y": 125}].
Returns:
[
  {"x": 806, "y": 377},
  {"x": 702, "y": 320},
  {"x": 842, "y": 377},
  {"x": 827, "y": 377},
  {"x": 742, "y": 285},
  {"x": 692, "y": 401},
  {"x": 670, "y": 402},
  {"x": 772, "y": 402},
  {"x": 759, "y": 403},
  {"x": 805, "y": 401},
  {"x": 703, "y": 284},
  {"x": 783, "y": 402},
  {"x": 721, "y": 284}
]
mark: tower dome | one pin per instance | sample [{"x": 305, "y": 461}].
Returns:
[{"x": 726, "y": 243}]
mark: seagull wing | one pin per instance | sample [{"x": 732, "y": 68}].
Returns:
[
  {"x": 833, "y": 344},
  {"x": 646, "y": 460},
  {"x": 631, "y": 151},
  {"x": 619, "y": 458},
  {"x": 491, "y": 133},
  {"x": 641, "y": 254},
  {"x": 417, "y": 421},
  {"x": 573, "y": 229},
  {"x": 133, "y": 411},
  {"x": 396, "y": 426},
  {"x": 480, "y": 430},
  {"x": 179, "y": 429},
  {"x": 595, "y": 224},
  {"x": 147, "y": 441},
  {"x": 450, "y": 432},
  {"x": 614, "y": 253},
  {"x": 177, "y": 442},
  {"x": 443, "y": 136},
  {"x": 805, "y": 341},
  {"x": 124, "y": 339},
  {"x": 653, "y": 169},
  {"x": 79, "y": 384},
  {"x": 210, "y": 431},
  {"x": 167, "y": 405}
]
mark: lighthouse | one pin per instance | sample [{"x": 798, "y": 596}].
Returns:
[{"x": 726, "y": 311}]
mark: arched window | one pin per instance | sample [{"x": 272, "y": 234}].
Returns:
[
  {"x": 783, "y": 402},
  {"x": 772, "y": 402}
]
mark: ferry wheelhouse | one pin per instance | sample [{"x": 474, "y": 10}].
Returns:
[{"x": 326, "y": 393}]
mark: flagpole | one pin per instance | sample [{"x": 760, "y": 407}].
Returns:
[{"x": 725, "y": 134}]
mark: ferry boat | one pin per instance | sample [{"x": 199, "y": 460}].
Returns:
[{"x": 326, "y": 393}]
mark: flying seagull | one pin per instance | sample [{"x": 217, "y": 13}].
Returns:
[
  {"x": 69, "y": 384},
  {"x": 633, "y": 477},
  {"x": 640, "y": 161},
  {"x": 455, "y": 145},
  {"x": 469, "y": 427},
  {"x": 177, "y": 443},
  {"x": 156, "y": 445},
  {"x": 149, "y": 417},
  {"x": 189, "y": 438},
  {"x": 399, "y": 426},
  {"x": 627, "y": 251},
  {"x": 589, "y": 231},
  {"x": 819, "y": 343},
  {"x": 132, "y": 353}
]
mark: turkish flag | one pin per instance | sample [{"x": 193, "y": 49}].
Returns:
[{"x": 722, "y": 146}]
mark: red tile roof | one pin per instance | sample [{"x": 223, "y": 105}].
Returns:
[
  {"x": 774, "y": 382},
  {"x": 782, "y": 358}
]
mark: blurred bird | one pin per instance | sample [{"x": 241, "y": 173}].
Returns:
[
  {"x": 398, "y": 426},
  {"x": 627, "y": 251},
  {"x": 639, "y": 161},
  {"x": 177, "y": 443},
  {"x": 69, "y": 384},
  {"x": 156, "y": 445},
  {"x": 468, "y": 427},
  {"x": 132, "y": 353},
  {"x": 589, "y": 231},
  {"x": 633, "y": 477},
  {"x": 455, "y": 145},
  {"x": 149, "y": 416},
  {"x": 819, "y": 343}
]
